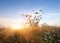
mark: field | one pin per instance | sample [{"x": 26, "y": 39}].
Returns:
[{"x": 43, "y": 34}]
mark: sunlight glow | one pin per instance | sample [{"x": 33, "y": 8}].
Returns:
[{"x": 16, "y": 26}]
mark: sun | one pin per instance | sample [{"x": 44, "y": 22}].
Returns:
[{"x": 16, "y": 26}]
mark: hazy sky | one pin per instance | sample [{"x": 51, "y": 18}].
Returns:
[{"x": 11, "y": 9}]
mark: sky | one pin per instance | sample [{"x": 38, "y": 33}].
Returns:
[{"x": 11, "y": 10}]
